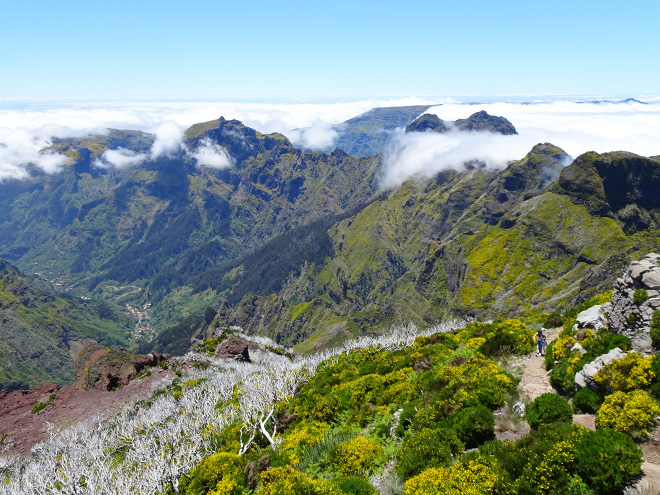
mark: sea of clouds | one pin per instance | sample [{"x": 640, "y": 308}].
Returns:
[{"x": 26, "y": 128}]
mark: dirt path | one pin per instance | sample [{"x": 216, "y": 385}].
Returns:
[{"x": 535, "y": 380}]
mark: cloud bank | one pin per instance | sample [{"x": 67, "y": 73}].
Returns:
[
  {"x": 26, "y": 128},
  {"x": 573, "y": 126}
]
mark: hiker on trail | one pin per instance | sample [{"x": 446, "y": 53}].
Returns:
[{"x": 540, "y": 340}]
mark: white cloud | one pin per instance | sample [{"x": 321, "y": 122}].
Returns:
[
  {"x": 319, "y": 136},
  {"x": 19, "y": 148},
  {"x": 425, "y": 153},
  {"x": 168, "y": 140},
  {"x": 574, "y": 127},
  {"x": 120, "y": 158},
  {"x": 212, "y": 155},
  {"x": 27, "y": 126}
]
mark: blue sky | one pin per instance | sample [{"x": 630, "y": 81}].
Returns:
[{"x": 316, "y": 50}]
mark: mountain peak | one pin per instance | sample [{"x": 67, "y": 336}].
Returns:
[
  {"x": 483, "y": 121},
  {"x": 427, "y": 122},
  {"x": 611, "y": 183}
]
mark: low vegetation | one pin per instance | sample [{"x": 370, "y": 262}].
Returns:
[{"x": 405, "y": 413}]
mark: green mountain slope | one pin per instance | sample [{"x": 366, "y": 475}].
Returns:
[
  {"x": 147, "y": 230},
  {"x": 305, "y": 248},
  {"x": 479, "y": 243},
  {"x": 43, "y": 333}
]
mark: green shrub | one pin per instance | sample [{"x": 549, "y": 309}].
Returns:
[
  {"x": 42, "y": 405},
  {"x": 538, "y": 463},
  {"x": 405, "y": 420},
  {"x": 655, "y": 328},
  {"x": 356, "y": 456},
  {"x": 553, "y": 320},
  {"x": 548, "y": 408},
  {"x": 632, "y": 413},
  {"x": 474, "y": 425},
  {"x": 559, "y": 378},
  {"x": 655, "y": 337},
  {"x": 316, "y": 455},
  {"x": 355, "y": 485},
  {"x": 221, "y": 473},
  {"x": 607, "y": 460},
  {"x": 639, "y": 296},
  {"x": 549, "y": 359},
  {"x": 426, "y": 448},
  {"x": 605, "y": 341},
  {"x": 509, "y": 336},
  {"x": 499, "y": 344},
  {"x": 586, "y": 401}
]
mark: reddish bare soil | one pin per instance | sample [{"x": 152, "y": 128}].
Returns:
[{"x": 20, "y": 428}]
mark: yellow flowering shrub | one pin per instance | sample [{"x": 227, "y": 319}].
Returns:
[
  {"x": 574, "y": 363},
  {"x": 524, "y": 336},
  {"x": 219, "y": 474},
  {"x": 478, "y": 381},
  {"x": 474, "y": 477},
  {"x": 506, "y": 337},
  {"x": 557, "y": 461},
  {"x": 475, "y": 343},
  {"x": 400, "y": 375},
  {"x": 426, "y": 448},
  {"x": 399, "y": 393},
  {"x": 365, "y": 389},
  {"x": 562, "y": 347},
  {"x": 287, "y": 481},
  {"x": 632, "y": 413},
  {"x": 628, "y": 373},
  {"x": 307, "y": 433},
  {"x": 356, "y": 455}
]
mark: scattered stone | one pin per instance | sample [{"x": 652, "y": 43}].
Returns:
[
  {"x": 578, "y": 347},
  {"x": 585, "y": 377},
  {"x": 519, "y": 409}
]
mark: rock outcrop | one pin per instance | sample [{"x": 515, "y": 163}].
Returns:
[
  {"x": 104, "y": 368},
  {"x": 234, "y": 348},
  {"x": 636, "y": 296},
  {"x": 585, "y": 377},
  {"x": 595, "y": 317},
  {"x": 427, "y": 122},
  {"x": 483, "y": 122}
]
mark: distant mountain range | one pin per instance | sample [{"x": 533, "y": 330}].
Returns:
[{"x": 304, "y": 246}]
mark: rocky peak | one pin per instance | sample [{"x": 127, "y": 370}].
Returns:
[
  {"x": 427, "y": 123},
  {"x": 482, "y": 121}
]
